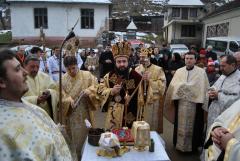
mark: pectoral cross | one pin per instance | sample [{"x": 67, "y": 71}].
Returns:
[
  {"x": 11, "y": 141},
  {"x": 19, "y": 131}
]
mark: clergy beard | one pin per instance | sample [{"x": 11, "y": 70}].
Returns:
[{"x": 122, "y": 72}]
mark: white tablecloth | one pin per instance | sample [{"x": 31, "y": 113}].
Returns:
[{"x": 89, "y": 153}]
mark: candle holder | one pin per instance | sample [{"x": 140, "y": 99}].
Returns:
[{"x": 125, "y": 148}]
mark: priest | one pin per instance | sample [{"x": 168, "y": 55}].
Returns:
[
  {"x": 153, "y": 80},
  {"x": 77, "y": 106},
  {"x": 223, "y": 139},
  {"x": 43, "y": 91},
  {"x": 185, "y": 102},
  {"x": 226, "y": 90},
  {"x": 27, "y": 132},
  {"x": 121, "y": 91}
]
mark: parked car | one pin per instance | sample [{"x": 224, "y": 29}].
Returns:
[
  {"x": 178, "y": 48},
  {"x": 223, "y": 45}
]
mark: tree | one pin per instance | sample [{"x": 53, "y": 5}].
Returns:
[
  {"x": 216, "y": 2},
  {"x": 129, "y": 8}
]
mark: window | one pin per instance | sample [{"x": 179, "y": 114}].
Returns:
[
  {"x": 175, "y": 12},
  {"x": 233, "y": 46},
  {"x": 220, "y": 46},
  {"x": 188, "y": 31},
  {"x": 193, "y": 12},
  {"x": 40, "y": 18},
  {"x": 210, "y": 42},
  {"x": 87, "y": 18},
  {"x": 218, "y": 30},
  {"x": 184, "y": 13}
]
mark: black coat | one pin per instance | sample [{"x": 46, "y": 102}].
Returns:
[
  {"x": 212, "y": 77},
  {"x": 211, "y": 54},
  {"x": 166, "y": 52},
  {"x": 106, "y": 67},
  {"x": 174, "y": 65},
  {"x": 156, "y": 62}
]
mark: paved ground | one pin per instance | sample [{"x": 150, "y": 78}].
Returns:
[{"x": 172, "y": 153}]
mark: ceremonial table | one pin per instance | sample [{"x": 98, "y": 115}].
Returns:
[{"x": 89, "y": 153}]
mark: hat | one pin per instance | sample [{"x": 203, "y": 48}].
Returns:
[
  {"x": 121, "y": 49},
  {"x": 202, "y": 52},
  {"x": 210, "y": 63},
  {"x": 145, "y": 52},
  {"x": 99, "y": 46},
  {"x": 209, "y": 47}
]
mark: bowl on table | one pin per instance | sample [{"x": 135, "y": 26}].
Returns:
[{"x": 94, "y": 135}]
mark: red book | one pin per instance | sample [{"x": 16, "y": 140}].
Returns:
[{"x": 123, "y": 135}]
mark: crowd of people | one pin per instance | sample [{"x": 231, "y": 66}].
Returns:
[{"x": 197, "y": 91}]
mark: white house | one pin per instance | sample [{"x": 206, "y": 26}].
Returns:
[
  {"x": 57, "y": 17},
  {"x": 182, "y": 21},
  {"x": 223, "y": 22}
]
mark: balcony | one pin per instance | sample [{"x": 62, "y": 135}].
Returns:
[{"x": 190, "y": 14}]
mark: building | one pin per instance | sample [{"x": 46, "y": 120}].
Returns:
[
  {"x": 149, "y": 24},
  {"x": 57, "y": 17},
  {"x": 223, "y": 22},
  {"x": 182, "y": 22},
  {"x": 146, "y": 14}
]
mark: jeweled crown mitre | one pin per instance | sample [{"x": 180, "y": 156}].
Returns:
[
  {"x": 121, "y": 49},
  {"x": 145, "y": 52}
]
